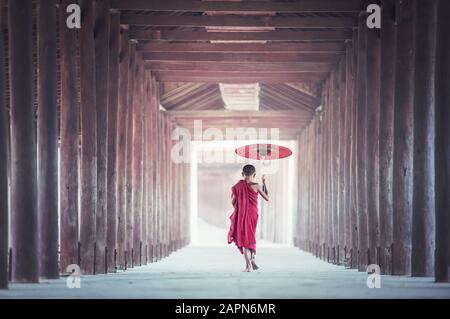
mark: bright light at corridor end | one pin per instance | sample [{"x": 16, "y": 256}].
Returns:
[{"x": 200, "y": 147}]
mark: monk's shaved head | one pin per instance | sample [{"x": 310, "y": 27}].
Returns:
[{"x": 248, "y": 170}]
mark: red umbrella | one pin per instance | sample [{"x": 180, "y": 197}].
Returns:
[{"x": 263, "y": 151}]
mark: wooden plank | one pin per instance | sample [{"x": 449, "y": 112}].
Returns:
[
  {"x": 88, "y": 167},
  {"x": 237, "y": 21},
  {"x": 47, "y": 135},
  {"x": 442, "y": 160},
  {"x": 291, "y": 67},
  {"x": 69, "y": 153},
  {"x": 226, "y": 74},
  {"x": 242, "y": 57},
  {"x": 387, "y": 93},
  {"x": 102, "y": 25},
  {"x": 237, "y": 80},
  {"x": 112, "y": 199},
  {"x": 122, "y": 112},
  {"x": 243, "y": 47},
  {"x": 235, "y": 114},
  {"x": 403, "y": 139},
  {"x": 274, "y": 36},
  {"x": 24, "y": 218},
  {"x": 4, "y": 192},
  {"x": 233, "y": 7}
]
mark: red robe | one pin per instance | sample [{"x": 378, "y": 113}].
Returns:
[{"x": 245, "y": 217}]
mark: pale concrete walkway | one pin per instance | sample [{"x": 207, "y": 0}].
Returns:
[{"x": 215, "y": 272}]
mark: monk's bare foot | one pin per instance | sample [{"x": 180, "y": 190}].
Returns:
[{"x": 254, "y": 265}]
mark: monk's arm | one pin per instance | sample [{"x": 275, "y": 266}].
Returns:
[
  {"x": 233, "y": 199},
  {"x": 263, "y": 192}
]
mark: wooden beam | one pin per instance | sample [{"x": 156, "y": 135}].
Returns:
[
  {"x": 47, "y": 126},
  {"x": 226, "y": 74},
  {"x": 237, "y": 21},
  {"x": 232, "y": 7},
  {"x": 241, "y": 57},
  {"x": 237, "y": 80},
  {"x": 239, "y": 114},
  {"x": 24, "y": 218},
  {"x": 4, "y": 192},
  {"x": 88, "y": 167},
  {"x": 292, "y": 67},
  {"x": 274, "y": 36},
  {"x": 243, "y": 47},
  {"x": 69, "y": 173}
]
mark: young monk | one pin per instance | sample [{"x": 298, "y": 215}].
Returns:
[{"x": 244, "y": 219}]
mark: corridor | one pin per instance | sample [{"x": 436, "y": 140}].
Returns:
[
  {"x": 202, "y": 272},
  {"x": 111, "y": 113}
]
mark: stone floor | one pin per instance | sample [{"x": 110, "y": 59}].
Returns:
[{"x": 215, "y": 272}]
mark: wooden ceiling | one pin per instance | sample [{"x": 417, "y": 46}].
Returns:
[{"x": 288, "y": 47}]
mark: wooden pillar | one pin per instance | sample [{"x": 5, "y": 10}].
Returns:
[
  {"x": 403, "y": 138},
  {"x": 24, "y": 223},
  {"x": 372, "y": 141},
  {"x": 129, "y": 152},
  {"x": 88, "y": 165},
  {"x": 47, "y": 136},
  {"x": 112, "y": 199},
  {"x": 4, "y": 200},
  {"x": 151, "y": 169},
  {"x": 348, "y": 138},
  {"x": 158, "y": 164},
  {"x": 342, "y": 114},
  {"x": 137, "y": 164},
  {"x": 69, "y": 154},
  {"x": 363, "y": 243},
  {"x": 122, "y": 115},
  {"x": 145, "y": 165},
  {"x": 442, "y": 160},
  {"x": 387, "y": 94},
  {"x": 102, "y": 28},
  {"x": 422, "y": 256},
  {"x": 354, "y": 159}
]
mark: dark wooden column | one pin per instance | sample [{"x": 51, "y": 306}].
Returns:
[
  {"x": 122, "y": 115},
  {"x": 129, "y": 151},
  {"x": 348, "y": 138},
  {"x": 111, "y": 168},
  {"x": 101, "y": 36},
  {"x": 70, "y": 122},
  {"x": 372, "y": 140},
  {"x": 137, "y": 163},
  {"x": 88, "y": 139},
  {"x": 403, "y": 138},
  {"x": 47, "y": 136},
  {"x": 342, "y": 114},
  {"x": 422, "y": 256},
  {"x": 387, "y": 93},
  {"x": 354, "y": 161},
  {"x": 361, "y": 126},
  {"x": 4, "y": 205},
  {"x": 442, "y": 160},
  {"x": 24, "y": 223}
]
